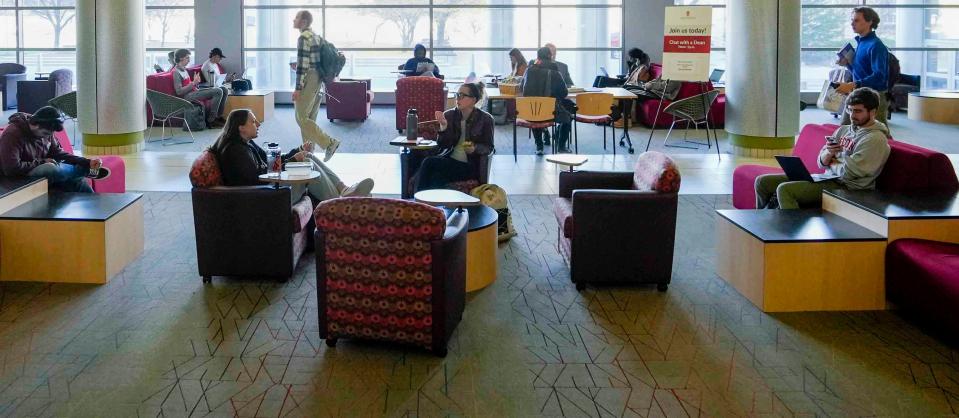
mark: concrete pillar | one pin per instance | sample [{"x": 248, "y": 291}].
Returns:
[
  {"x": 111, "y": 87},
  {"x": 762, "y": 84}
]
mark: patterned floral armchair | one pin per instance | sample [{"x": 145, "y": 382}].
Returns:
[
  {"x": 389, "y": 270},
  {"x": 425, "y": 94},
  {"x": 619, "y": 227}
]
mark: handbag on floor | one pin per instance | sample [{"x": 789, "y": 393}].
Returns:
[{"x": 495, "y": 197}]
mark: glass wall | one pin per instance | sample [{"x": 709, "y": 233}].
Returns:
[
  {"x": 40, "y": 34},
  {"x": 923, "y": 35},
  {"x": 167, "y": 26},
  {"x": 463, "y": 36}
]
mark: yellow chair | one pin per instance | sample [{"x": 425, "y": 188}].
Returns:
[
  {"x": 593, "y": 108},
  {"x": 534, "y": 113}
]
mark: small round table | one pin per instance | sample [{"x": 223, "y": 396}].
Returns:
[
  {"x": 934, "y": 106},
  {"x": 481, "y": 262},
  {"x": 285, "y": 178},
  {"x": 412, "y": 154},
  {"x": 569, "y": 160}
]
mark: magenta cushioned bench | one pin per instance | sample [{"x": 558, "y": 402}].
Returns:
[
  {"x": 922, "y": 279},
  {"x": 909, "y": 167}
]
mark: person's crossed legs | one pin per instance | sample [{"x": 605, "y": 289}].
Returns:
[{"x": 65, "y": 177}]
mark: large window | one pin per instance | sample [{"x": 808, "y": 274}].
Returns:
[
  {"x": 923, "y": 34},
  {"x": 40, "y": 34},
  {"x": 168, "y": 25},
  {"x": 463, "y": 36}
]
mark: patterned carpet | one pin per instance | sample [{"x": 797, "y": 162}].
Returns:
[{"x": 155, "y": 341}]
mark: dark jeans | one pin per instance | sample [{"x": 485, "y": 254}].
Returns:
[
  {"x": 437, "y": 172},
  {"x": 63, "y": 177},
  {"x": 562, "y": 135}
]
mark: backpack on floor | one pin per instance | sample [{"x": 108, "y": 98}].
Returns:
[{"x": 495, "y": 197}]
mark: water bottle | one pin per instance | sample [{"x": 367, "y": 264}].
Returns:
[
  {"x": 274, "y": 159},
  {"x": 411, "y": 125}
]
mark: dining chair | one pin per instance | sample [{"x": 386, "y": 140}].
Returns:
[
  {"x": 593, "y": 108},
  {"x": 534, "y": 113}
]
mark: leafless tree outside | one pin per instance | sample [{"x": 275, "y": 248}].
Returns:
[{"x": 58, "y": 18}]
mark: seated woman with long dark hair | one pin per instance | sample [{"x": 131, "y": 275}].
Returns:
[
  {"x": 242, "y": 161},
  {"x": 465, "y": 132}
]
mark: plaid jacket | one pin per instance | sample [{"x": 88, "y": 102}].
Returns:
[{"x": 307, "y": 54}]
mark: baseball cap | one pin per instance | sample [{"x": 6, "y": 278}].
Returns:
[
  {"x": 217, "y": 51},
  {"x": 48, "y": 117}
]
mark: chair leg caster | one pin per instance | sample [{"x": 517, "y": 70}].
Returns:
[
  {"x": 580, "y": 286},
  {"x": 331, "y": 342},
  {"x": 207, "y": 279},
  {"x": 662, "y": 287}
]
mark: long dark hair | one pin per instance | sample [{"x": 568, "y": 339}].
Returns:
[
  {"x": 518, "y": 55},
  {"x": 231, "y": 130}
]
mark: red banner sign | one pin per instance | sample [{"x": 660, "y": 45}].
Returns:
[{"x": 686, "y": 44}]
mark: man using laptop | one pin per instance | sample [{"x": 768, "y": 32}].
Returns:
[{"x": 855, "y": 159}]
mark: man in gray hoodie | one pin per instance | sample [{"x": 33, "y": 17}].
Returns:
[{"x": 856, "y": 159}]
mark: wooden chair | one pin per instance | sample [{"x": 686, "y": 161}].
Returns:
[
  {"x": 534, "y": 113},
  {"x": 593, "y": 108}
]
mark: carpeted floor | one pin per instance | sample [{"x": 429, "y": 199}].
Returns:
[{"x": 155, "y": 341}]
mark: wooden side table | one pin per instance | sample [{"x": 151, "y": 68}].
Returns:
[{"x": 259, "y": 101}]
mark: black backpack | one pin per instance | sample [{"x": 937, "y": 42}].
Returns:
[
  {"x": 894, "y": 71},
  {"x": 331, "y": 61}
]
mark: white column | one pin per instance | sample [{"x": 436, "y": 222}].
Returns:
[
  {"x": 111, "y": 85},
  {"x": 762, "y": 87}
]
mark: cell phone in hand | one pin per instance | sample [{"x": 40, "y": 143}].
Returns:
[{"x": 832, "y": 140}]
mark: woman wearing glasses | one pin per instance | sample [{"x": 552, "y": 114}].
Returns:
[{"x": 465, "y": 132}]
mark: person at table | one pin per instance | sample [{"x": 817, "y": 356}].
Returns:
[
  {"x": 544, "y": 80},
  {"x": 465, "y": 133},
  {"x": 242, "y": 161},
  {"x": 857, "y": 158},
  {"x": 29, "y": 149},
  {"x": 637, "y": 77},
  {"x": 561, "y": 67},
  {"x": 517, "y": 62},
  {"x": 211, "y": 69},
  {"x": 416, "y": 65},
  {"x": 186, "y": 88}
]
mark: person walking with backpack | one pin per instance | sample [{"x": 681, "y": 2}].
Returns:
[
  {"x": 306, "y": 96},
  {"x": 870, "y": 66}
]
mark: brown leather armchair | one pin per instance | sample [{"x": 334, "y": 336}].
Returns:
[
  {"x": 390, "y": 270},
  {"x": 246, "y": 230},
  {"x": 619, "y": 227}
]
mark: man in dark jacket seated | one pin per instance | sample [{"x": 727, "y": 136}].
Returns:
[
  {"x": 28, "y": 148},
  {"x": 544, "y": 80}
]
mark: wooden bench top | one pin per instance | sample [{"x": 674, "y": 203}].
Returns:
[
  {"x": 10, "y": 185},
  {"x": 787, "y": 226},
  {"x": 917, "y": 204},
  {"x": 94, "y": 207}
]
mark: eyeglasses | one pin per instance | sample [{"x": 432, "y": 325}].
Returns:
[{"x": 462, "y": 95}]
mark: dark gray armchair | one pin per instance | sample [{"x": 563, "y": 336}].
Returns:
[
  {"x": 10, "y": 74},
  {"x": 34, "y": 94}
]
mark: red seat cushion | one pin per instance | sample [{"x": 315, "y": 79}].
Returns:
[
  {"x": 922, "y": 277},
  {"x": 205, "y": 171},
  {"x": 592, "y": 119},
  {"x": 563, "y": 209},
  {"x": 534, "y": 125},
  {"x": 657, "y": 172}
]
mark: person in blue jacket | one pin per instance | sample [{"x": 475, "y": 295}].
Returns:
[
  {"x": 870, "y": 66},
  {"x": 419, "y": 57}
]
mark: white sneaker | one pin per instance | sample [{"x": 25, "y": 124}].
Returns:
[
  {"x": 334, "y": 144},
  {"x": 363, "y": 188}
]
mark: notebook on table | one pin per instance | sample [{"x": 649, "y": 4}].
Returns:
[{"x": 796, "y": 170}]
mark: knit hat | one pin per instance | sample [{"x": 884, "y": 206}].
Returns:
[{"x": 48, "y": 117}]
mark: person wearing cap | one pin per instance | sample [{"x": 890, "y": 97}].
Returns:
[
  {"x": 212, "y": 66},
  {"x": 187, "y": 88},
  {"x": 28, "y": 148}
]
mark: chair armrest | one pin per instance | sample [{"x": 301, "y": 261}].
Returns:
[
  {"x": 613, "y": 180},
  {"x": 449, "y": 278}
]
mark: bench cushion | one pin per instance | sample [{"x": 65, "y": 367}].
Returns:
[
  {"x": 922, "y": 278},
  {"x": 913, "y": 167}
]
